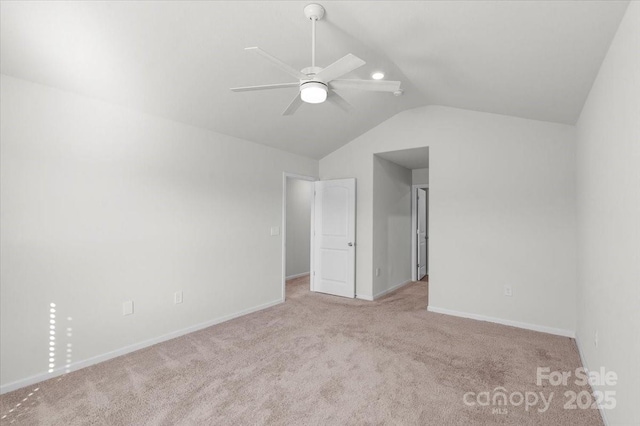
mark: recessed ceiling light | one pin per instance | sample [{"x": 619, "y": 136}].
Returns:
[{"x": 377, "y": 75}]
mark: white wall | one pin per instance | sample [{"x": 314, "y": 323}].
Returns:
[
  {"x": 298, "y": 226},
  {"x": 420, "y": 176},
  {"x": 608, "y": 170},
  {"x": 391, "y": 225},
  {"x": 102, "y": 204},
  {"x": 502, "y": 210}
]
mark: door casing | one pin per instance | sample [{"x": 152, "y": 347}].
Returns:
[{"x": 414, "y": 229}]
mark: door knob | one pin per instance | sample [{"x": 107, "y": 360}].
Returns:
[{"x": 350, "y": 244}]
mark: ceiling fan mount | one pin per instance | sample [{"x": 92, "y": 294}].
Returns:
[
  {"x": 314, "y": 11},
  {"x": 317, "y": 84}
]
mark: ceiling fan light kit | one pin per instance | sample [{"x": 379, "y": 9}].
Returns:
[
  {"x": 313, "y": 92},
  {"x": 316, "y": 84}
]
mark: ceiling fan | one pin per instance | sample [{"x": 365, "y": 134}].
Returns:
[{"x": 318, "y": 84}]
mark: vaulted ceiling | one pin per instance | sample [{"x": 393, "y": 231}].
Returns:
[{"x": 532, "y": 59}]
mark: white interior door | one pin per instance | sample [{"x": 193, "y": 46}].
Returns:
[
  {"x": 334, "y": 237},
  {"x": 422, "y": 233}
]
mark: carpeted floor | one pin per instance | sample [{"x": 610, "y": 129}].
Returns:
[{"x": 319, "y": 360}]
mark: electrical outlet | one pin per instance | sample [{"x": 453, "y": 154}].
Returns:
[
  {"x": 595, "y": 339},
  {"x": 177, "y": 297},
  {"x": 127, "y": 308},
  {"x": 275, "y": 230},
  {"x": 507, "y": 291},
  {"x": 377, "y": 272}
]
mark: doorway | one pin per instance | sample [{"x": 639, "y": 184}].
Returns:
[
  {"x": 296, "y": 233},
  {"x": 396, "y": 177},
  {"x": 318, "y": 235}
]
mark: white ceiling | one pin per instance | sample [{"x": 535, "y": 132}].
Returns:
[
  {"x": 414, "y": 158},
  {"x": 533, "y": 59}
]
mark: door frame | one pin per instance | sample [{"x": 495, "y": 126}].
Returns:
[
  {"x": 414, "y": 228},
  {"x": 285, "y": 176}
]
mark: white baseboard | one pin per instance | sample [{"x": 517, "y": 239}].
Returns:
[
  {"x": 583, "y": 360},
  {"x": 382, "y": 293},
  {"x": 128, "y": 349},
  {"x": 290, "y": 277},
  {"x": 524, "y": 325},
  {"x": 364, "y": 297},
  {"x": 389, "y": 290}
]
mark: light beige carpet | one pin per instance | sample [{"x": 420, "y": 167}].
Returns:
[{"x": 318, "y": 360}]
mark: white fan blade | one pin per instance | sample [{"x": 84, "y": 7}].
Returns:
[
  {"x": 370, "y": 85},
  {"x": 293, "y": 106},
  {"x": 338, "y": 100},
  {"x": 265, "y": 87},
  {"x": 284, "y": 67},
  {"x": 342, "y": 66}
]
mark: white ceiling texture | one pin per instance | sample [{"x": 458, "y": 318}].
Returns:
[
  {"x": 414, "y": 158},
  {"x": 532, "y": 59}
]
